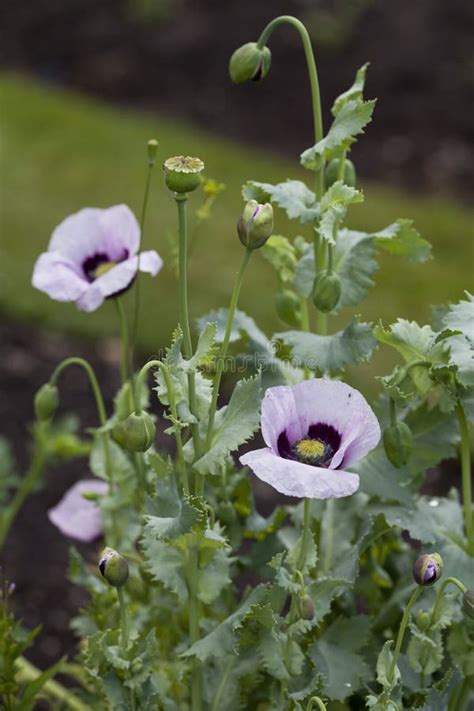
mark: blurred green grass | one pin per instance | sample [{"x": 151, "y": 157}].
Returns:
[{"x": 61, "y": 152}]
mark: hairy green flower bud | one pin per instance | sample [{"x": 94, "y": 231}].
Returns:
[
  {"x": 138, "y": 432},
  {"x": 288, "y": 307},
  {"x": 427, "y": 569},
  {"x": 118, "y": 433},
  {"x": 183, "y": 173},
  {"x": 255, "y": 224},
  {"x": 249, "y": 63},
  {"x": 113, "y": 567},
  {"x": 331, "y": 173},
  {"x": 327, "y": 291},
  {"x": 398, "y": 443},
  {"x": 306, "y": 608},
  {"x": 423, "y": 620},
  {"x": 468, "y": 603},
  {"x": 46, "y": 402}
]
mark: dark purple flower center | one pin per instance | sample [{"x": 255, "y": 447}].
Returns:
[
  {"x": 99, "y": 263},
  {"x": 317, "y": 448}
]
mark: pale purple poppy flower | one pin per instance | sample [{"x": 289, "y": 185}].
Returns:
[
  {"x": 313, "y": 430},
  {"x": 93, "y": 255},
  {"x": 77, "y": 517}
]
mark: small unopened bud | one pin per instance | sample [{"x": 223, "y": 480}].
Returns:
[
  {"x": 183, "y": 173},
  {"x": 249, "y": 63},
  {"x": 427, "y": 569},
  {"x": 327, "y": 291},
  {"x": 398, "y": 443},
  {"x": 306, "y": 608},
  {"x": 288, "y": 307},
  {"x": 138, "y": 432},
  {"x": 113, "y": 567},
  {"x": 152, "y": 150},
  {"x": 468, "y": 603},
  {"x": 255, "y": 224},
  {"x": 331, "y": 173},
  {"x": 46, "y": 402},
  {"x": 423, "y": 620}
]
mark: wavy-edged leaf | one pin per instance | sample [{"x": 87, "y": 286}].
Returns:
[
  {"x": 354, "y": 93},
  {"x": 293, "y": 196}
]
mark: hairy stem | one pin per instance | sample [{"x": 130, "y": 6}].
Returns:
[
  {"x": 123, "y": 622},
  {"x": 466, "y": 478},
  {"x": 401, "y": 630},
  {"x": 440, "y": 593}
]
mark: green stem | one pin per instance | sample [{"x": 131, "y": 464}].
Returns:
[
  {"x": 27, "y": 485},
  {"x": 401, "y": 631},
  {"x": 466, "y": 478},
  {"x": 181, "y": 202},
  {"x": 305, "y": 533},
  {"x": 28, "y": 673},
  {"x": 440, "y": 593},
  {"x": 341, "y": 166},
  {"x": 124, "y": 342},
  {"x": 225, "y": 345},
  {"x": 393, "y": 413},
  {"x": 313, "y": 80},
  {"x": 221, "y": 688},
  {"x": 315, "y": 700},
  {"x": 194, "y": 631},
  {"x": 329, "y": 537},
  {"x": 123, "y": 622}
]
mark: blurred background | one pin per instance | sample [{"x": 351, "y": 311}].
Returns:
[{"x": 85, "y": 84}]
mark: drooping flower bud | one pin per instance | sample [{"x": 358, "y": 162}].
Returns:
[
  {"x": 113, "y": 567},
  {"x": 118, "y": 433},
  {"x": 249, "y": 63},
  {"x": 138, "y": 432},
  {"x": 255, "y": 224},
  {"x": 306, "y": 607},
  {"x": 398, "y": 443},
  {"x": 468, "y": 603},
  {"x": 152, "y": 150},
  {"x": 288, "y": 307},
  {"x": 331, "y": 173},
  {"x": 46, "y": 402},
  {"x": 427, "y": 569},
  {"x": 183, "y": 173},
  {"x": 327, "y": 291}
]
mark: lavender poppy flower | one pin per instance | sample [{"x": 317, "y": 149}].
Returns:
[
  {"x": 93, "y": 255},
  {"x": 313, "y": 431},
  {"x": 76, "y": 516}
]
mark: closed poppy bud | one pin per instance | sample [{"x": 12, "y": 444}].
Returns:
[
  {"x": 427, "y": 569},
  {"x": 113, "y": 567},
  {"x": 183, "y": 173},
  {"x": 288, "y": 307},
  {"x": 327, "y": 291},
  {"x": 398, "y": 443},
  {"x": 46, "y": 402},
  {"x": 255, "y": 224},
  {"x": 468, "y": 603},
  {"x": 118, "y": 433},
  {"x": 249, "y": 63},
  {"x": 138, "y": 432},
  {"x": 331, "y": 173},
  {"x": 306, "y": 608}
]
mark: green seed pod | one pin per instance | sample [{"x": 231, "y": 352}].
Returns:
[
  {"x": 183, "y": 173},
  {"x": 249, "y": 63},
  {"x": 255, "y": 224},
  {"x": 327, "y": 291},
  {"x": 113, "y": 567},
  {"x": 398, "y": 443},
  {"x": 306, "y": 607},
  {"x": 152, "y": 150},
  {"x": 331, "y": 173},
  {"x": 427, "y": 569},
  {"x": 138, "y": 432},
  {"x": 468, "y": 603},
  {"x": 288, "y": 307},
  {"x": 46, "y": 402}
]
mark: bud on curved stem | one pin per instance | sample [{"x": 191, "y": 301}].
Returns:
[
  {"x": 319, "y": 703},
  {"x": 138, "y": 433},
  {"x": 249, "y": 63},
  {"x": 428, "y": 569},
  {"x": 46, "y": 402}
]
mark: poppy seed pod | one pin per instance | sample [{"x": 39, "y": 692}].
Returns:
[
  {"x": 138, "y": 432},
  {"x": 46, "y": 402},
  {"x": 331, "y": 173},
  {"x": 398, "y": 443},
  {"x": 327, "y": 291},
  {"x": 288, "y": 307},
  {"x": 152, "y": 150},
  {"x": 427, "y": 569},
  {"x": 468, "y": 603},
  {"x": 249, "y": 63},
  {"x": 255, "y": 224},
  {"x": 113, "y": 567},
  {"x": 183, "y": 173},
  {"x": 306, "y": 608}
]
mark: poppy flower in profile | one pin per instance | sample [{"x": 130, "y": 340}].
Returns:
[
  {"x": 92, "y": 255},
  {"x": 313, "y": 431},
  {"x": 79, "y": 517}
]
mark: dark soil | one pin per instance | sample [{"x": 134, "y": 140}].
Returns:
[{"x": 176, "y": 63}]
